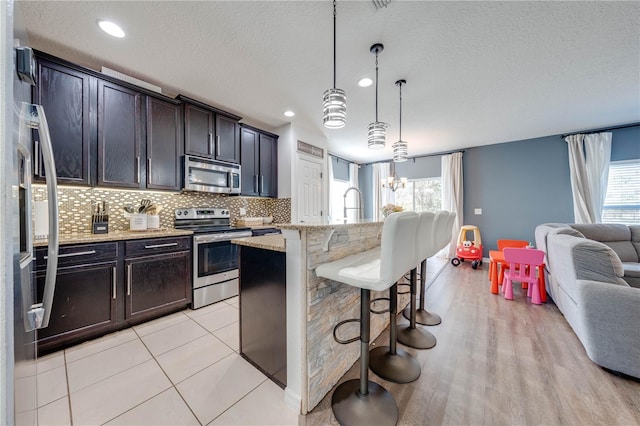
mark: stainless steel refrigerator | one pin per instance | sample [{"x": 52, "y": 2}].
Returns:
[{"x": 23, "y": 125}]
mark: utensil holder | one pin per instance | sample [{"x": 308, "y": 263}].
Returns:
[{"x": 138, "y": 222}]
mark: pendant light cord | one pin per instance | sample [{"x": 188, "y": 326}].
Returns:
[
  {"x": 376, "y": 86},
  {"x": 400, "y": 111},
  {"x": 334, "y": 44}
]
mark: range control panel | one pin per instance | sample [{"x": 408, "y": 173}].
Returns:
[{"x": 201, "y": 213}]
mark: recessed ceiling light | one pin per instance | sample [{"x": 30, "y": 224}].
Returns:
[
  {"x": 365, "y": 82},
  {"x": 289, "y": 113},
  {"x": 111, "y": 28}
]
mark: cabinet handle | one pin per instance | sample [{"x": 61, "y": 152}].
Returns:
[
  {"x": 261, "y": 184},
  {"x": 113, "y": 282},
  {"x": 138, "y": 167},
  {"x": 129, "y": 280},
  {"x": 78, "y": 253},
  {"x": 149, "y": 170},
  {"x": 36, "y": 159},
  {"x": 255, "y": 185},
  {"x": 160, "y": 245},
  {"x": 218, "y": 144},
  {"x": 210, "y": 147}
]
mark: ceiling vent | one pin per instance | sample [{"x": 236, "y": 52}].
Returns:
[
  {"x": 379, "y": 4},
  {"x": 132, "y": 80}
]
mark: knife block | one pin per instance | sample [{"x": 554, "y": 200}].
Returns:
[{"x": 99, "y": 224}]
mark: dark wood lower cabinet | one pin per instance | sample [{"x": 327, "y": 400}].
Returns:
[
  {"x": 263, "y": 311},
  {"x": 84, "y": 303},
  {"x": 158, "y": 283},
  {"x": 104, "y": 287}
]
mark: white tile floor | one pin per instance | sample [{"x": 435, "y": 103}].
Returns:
[{"x": 183, "y": 369}]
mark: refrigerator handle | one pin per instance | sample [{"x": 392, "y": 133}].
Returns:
[{"x": 37, "y": 114}]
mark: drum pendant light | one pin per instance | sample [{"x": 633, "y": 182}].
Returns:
[
  {"x": 377, "y": 129},
  {"x": 334, "y": 101},
  {"x": 400, "y": 148}
]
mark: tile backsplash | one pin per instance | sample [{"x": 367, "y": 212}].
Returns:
[{"x": 75, "y": 203}]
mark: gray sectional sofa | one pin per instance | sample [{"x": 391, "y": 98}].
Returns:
[{"x": 593, "y": 276}]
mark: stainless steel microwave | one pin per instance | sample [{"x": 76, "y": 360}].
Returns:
[{"x": 205, "y": 175}]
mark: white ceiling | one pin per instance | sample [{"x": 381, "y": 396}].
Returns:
[{"x": 477, "y": 72}]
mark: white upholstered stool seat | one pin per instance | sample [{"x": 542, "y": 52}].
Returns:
[{"x": 360, "y": 401}]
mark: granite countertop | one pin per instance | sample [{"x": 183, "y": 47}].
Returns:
[
  {"x": 273, "y": 242},
  {"x": 328, "y": 224},
  {"x": 88, "y": 237}
]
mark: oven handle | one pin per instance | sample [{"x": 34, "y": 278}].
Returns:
[{"x": 221, "y": 237}]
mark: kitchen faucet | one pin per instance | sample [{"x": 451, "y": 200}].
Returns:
[{"x": 359, "y": 207}]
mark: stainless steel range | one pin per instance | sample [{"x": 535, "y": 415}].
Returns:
[{"x": 215, "y": 259}]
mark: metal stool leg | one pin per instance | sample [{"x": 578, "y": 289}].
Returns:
[
  {"x": 411, "y": 335},
  {"x": 389, "y": 362},
  {"x": 423, "y": 316},
  {"x": 360, "y": 401}
]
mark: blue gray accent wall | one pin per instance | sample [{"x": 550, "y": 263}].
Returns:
[
  {"x": 365, "y": 183},
  {"x": 420, "y": 168},
  {"x": 519, "y": 185}
]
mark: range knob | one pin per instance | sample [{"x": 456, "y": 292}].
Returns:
[
  {"x": 179, "y": 213},
  {"x": 186, "y": 212}
]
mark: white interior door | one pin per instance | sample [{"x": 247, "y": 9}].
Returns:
[{"x": 309, "y": 191}]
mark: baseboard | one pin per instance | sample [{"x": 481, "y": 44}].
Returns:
[{"x": 292, "y": 400}]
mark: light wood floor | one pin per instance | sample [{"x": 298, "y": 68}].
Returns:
[{"x": 501, "y": 362}]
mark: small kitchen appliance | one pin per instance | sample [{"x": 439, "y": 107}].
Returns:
[{"x": 215, "y": 258}]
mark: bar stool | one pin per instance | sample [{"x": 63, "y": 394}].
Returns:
[
  {"x": 360, "y": 401},
  {"x": 411, "y": 335}
]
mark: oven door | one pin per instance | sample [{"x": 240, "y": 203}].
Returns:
[{"x": 215, "y": 267}]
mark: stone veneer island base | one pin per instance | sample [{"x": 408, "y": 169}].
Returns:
[{"x": 315, "y": 362}]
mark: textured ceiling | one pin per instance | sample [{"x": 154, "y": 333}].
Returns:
[{"x": 477, "y": 72}]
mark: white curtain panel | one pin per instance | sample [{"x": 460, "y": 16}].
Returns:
[
  {"x": 381, "y": 196},
  {"x": 452, "y": 193},
  {"x": 589, "y": 157},
  {"x": 332, "y": 186}
]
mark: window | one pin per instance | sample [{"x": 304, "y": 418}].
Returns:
[
  {"x": 420, "y": 195},
  {"x": 622, "y": 203},
  {"x": 336, "y": 192}
]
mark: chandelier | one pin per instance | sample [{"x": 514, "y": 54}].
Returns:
[
  {"x": 393, "y": 182},
  {"x": 334, "y": 101}
]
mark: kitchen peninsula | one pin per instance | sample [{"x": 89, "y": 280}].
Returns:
[{"x": 315, "y": 362}]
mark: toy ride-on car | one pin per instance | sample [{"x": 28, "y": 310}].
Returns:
[{"x": 468, "y": 250}]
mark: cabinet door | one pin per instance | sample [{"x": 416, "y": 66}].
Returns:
[
  {"x": 227, "y": 139},
  {"x": 198, "y": 131},
  {"x": 268, "y": 166},
  {"x": 164, "y": 144},
  {"x": 250, "y": 162},
  {"x": 157, "y": 283},
  {"x": 119, "y": 136},
  {"x": 84, "y": 303},
  {"x": 64, "y": 94}
]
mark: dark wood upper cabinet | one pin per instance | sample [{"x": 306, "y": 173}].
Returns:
[
  {"x": 210, "y": 132},
  {"x": 198, "y": 131},
  {"x": 120, "y": 161},
  {"x": 250, "y": 170},
  {"x": 227, "y": 139},
  {"x": 64, "y": 94},
  {"x": 164, "y": 144},
  {"x": 259, "y": 155},
  {"x": 268, "y": 166}
]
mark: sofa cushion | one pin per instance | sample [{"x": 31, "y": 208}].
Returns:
[
  {"x": 597, "y": 262},
  {"x": 616, "y": 236}
]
